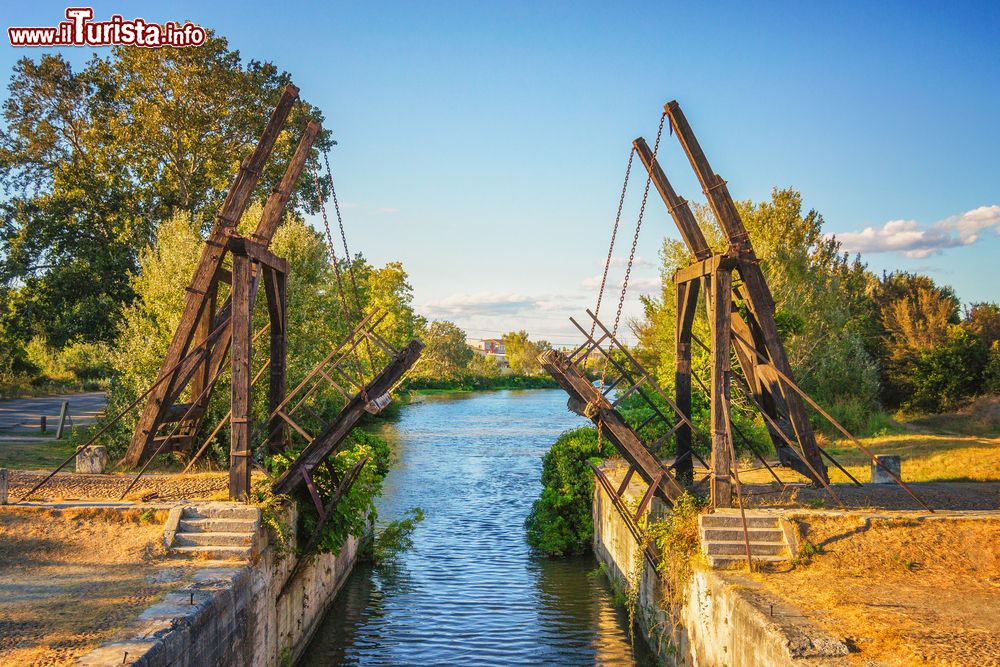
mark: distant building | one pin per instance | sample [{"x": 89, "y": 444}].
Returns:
[{"x": 491, "y": 347}]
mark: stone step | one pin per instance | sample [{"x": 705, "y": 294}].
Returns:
[
  {"x": 213, "y": 539},
  {"x": 726, "y": 562},
  {"x": 738, "y": 548},
  {"x": 727, "y": 520},
  {"x": 214, "y": 553},
  {"x": 221, "y": 511},
  {"x": 734, "y": 534},
  {"x": 217, "y": 526}
]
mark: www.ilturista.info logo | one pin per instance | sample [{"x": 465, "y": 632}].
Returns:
[{"x": 80, "y": 30}]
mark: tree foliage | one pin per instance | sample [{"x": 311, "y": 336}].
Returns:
[
  {"x": 522, "y": 353},
  {"x": 92, "y": 161},
  {"x": 446, "y": 355},
  {"x": 560, "y": 522}
]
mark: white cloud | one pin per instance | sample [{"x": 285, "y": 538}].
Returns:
[
  {"x": 387, "y": 210},
  {"x": 912, "y": 239},
  {"x": 623, "y": 261},
  {"x": 479, "y": 303},
  {"x": 635, "y": 283}
]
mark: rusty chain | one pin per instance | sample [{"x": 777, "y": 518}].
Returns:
[{"x": 611, "y": 247}]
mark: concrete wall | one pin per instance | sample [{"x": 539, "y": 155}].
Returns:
[
  {"x": 726, "y": 619},
  {"x": 233, "y": 615}
]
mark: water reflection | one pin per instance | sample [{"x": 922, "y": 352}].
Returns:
[{"x": 470, "y": 591}]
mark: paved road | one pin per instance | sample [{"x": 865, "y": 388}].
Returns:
[{"x": 25, "y": 413}]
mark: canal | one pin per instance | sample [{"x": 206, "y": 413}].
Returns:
[{"x": 470, "y": 591}]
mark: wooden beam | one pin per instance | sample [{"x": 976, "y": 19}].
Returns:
[
  {"x": 329, "y": 441},
  {"x": 687, "y": 303},
  {"x": 275, "y": 286},
  {"x": 705, "y": 267},
  {"x": 239, "y": 421},
  {"x": 585, "y": 399},
  {"x": 274, "y": 208},
  {"x": 678, "y": 206},
  {"x": 243, "y": 246},
  {"x": 720, "y": 307}
]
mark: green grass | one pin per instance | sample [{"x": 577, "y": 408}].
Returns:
[{"x": 39, "y": 455}]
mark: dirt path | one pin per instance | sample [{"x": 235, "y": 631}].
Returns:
[
  {"x": 69, "y": 579},
  {"x": 901, "y": 592}
]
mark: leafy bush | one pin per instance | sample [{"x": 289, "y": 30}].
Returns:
[
  {"x": 560, "y": 522},
  {"x": 948, "y": 372},
  {"x": 395, "y": 537},
  {"x": 353, "y": 513}
]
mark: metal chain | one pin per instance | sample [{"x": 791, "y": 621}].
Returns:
[
  {"x": 611, "y": 248},
  {"x": 329, "y": 239},
  {"x": 638, "y": 227},
  {"x": 347, "y": 253}
]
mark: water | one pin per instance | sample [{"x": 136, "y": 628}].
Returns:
[{"x": 470, "y": 592}]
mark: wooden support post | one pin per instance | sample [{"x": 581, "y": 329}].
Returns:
[
  {"x": 239, "y": 448},
  {"x": 720, "y": 307},
  {"x": 63, "y": 414},
  {"x": 202, "y": 330},
  {"x": 687, "y": 302},
  {"x": 275, "y": 286}
]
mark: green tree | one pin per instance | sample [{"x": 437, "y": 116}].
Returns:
[
  {"x": 912, "y": 315},
  {"x": 522, "y": 353},
  {"x": 446, "y": 354},
  {"x": 949, "y": 372},
  {"x": 483, "y": 366},
  {"x": 92, "y": 161}
]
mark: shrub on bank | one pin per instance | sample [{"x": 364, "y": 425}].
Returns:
[
  {"x": 481, "y": 383},
  {"x": 560, "y": 522}
]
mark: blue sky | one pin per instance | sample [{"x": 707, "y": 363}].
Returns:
[{"x": 483, "y": 144}]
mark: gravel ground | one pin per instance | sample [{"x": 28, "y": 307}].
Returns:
[
  {"x": 937, "y": 495},
  {"x": 75, "y": 486}
]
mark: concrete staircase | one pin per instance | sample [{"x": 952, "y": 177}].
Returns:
[
  {"x": 722, "y": 540},
  {"x": 215, "y": 531}
]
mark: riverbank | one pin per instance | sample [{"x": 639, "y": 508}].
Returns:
[
  {"x": 102, "y": 583},
  {"x": 854, "y": 587},
  {"x": 470, "y": 384}
]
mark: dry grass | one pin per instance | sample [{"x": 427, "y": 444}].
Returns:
[
  {"x": 70, "y": 578},
  {"x": 925, "y": 458},
  {"x": 902, "y": 592}
]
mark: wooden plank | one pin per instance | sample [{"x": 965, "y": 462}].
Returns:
[
  {"x": 274, "y": 207},
  {"x": 721, "y": 304},
  {"x": 239, "y": 420},
  {"x": 258, "y": 253},
  {"x": 208, "y": 265},
  {"x": 705, "y": 267},
  {"x": 757, "y": 293},
  {"x": 275, "y": 285},
  {"x": 327, "y": 442},
  {"x": 587, "y": 400},
  {"x": 693, "y": 237},
  {"x": 687, "y": 303}
]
